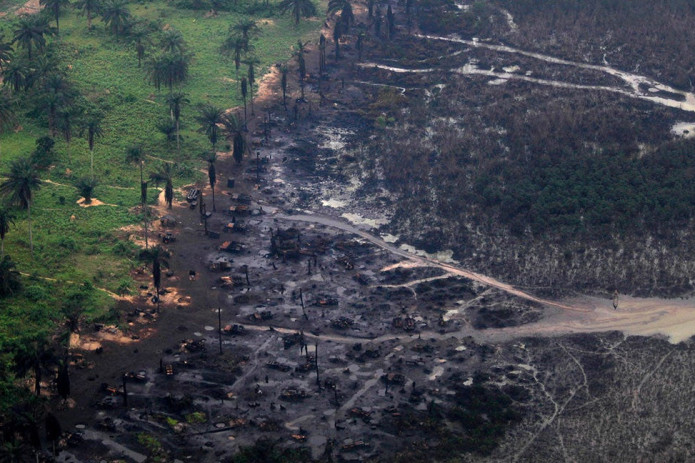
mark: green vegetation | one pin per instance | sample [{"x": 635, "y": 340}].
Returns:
[{"x": 86, "y": 95}]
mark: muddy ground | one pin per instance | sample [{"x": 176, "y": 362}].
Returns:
[{"x": 347, "y": 343}]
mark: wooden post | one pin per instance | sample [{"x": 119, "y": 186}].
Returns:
[
  {"x": 219, "y": 326},
  {"x": 125, "y": 392},
  {"x": 301, "y": 300},
  {"x": 316, "y": 360}
]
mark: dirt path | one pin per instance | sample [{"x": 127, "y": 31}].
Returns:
[{"x": 673, "y": 318}]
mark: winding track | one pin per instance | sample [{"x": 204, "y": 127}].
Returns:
[{"x": 674, "y": 318}]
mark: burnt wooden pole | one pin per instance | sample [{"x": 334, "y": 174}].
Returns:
[
  {"x": 316, "y": 360},
  {"x": 125, "y": 391},
  {"x": 219, "y": 326},
  {"x": 301, "y": 300}
]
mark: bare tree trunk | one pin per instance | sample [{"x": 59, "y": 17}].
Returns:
[
  {"x": 178, "y": 138},
  {"x": 31, "y": 239}
]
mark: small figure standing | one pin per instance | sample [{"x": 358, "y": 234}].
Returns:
[{"x": 616, "y": 299}]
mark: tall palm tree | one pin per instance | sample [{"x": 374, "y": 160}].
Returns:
[
  {"x": 298, "y": 8},
  {"x": 159, "y": 258},
  {"x": 86, "y": 186},
  {"x": 322, "y": 55},
  {"x": 7, "y": 112},
  {"x": 301, "y": 65},
  {"x": 15, "y": 74},
  {"x": 244, "y": 95},
  {"x": 58, "y": 94},
  {"x": 233, "y": 129},
  {"x": 210, "y": 119},
  {"x": 165, "y": 174},
  {"x": 136, "y": 155},
  {"x": 66, "y": 123},
  {"x": 55, "y": 6},
  {"x": 88, "y": 7},
  {"x": 31, "y": 32},
  {"x": 347, "y": 16},
  {"x": 172, "y": 41},
  {"x": 141, "y": 38},
  {"x": 6, "y": 52},
  {"x": 251, "y": 62},
  {"x": 175, "y": 102},
  {"x": 236, "y": 46},
  {"x": 7, "y": 219},
  {"x": 116, "y": 15},
  {"x": 247, "y": 29},
  {"x": 20, "y": 185},
  {"x": 169, "y": 69},
  {"x": 212, "y": 176},
  {"x": 283, "y": 85},
  {"x": 92, "y": 125}
]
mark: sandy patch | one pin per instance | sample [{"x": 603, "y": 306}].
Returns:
[
  {"x": 93, "y": 202},
  {"x": 30, "y": 7}
]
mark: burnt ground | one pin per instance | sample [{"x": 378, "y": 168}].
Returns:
[
  {"x": 383, "y": 334},
  {"x": 411, "y": 361}
]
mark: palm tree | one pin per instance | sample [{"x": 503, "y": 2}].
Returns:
[
  {"x": 244, "y": 95},
  {"x": 168, "y": 128},
  {"x": 136, "y": 155},
  {"x": 158, "y": 256},
  {"x": 322, "y": 55},
  {"x": 390, "y": 22},
  {"x": 89, "y": 7},
  {"x": 337, "y": 33},
  {"x": 359, "y": 45},
  {"x": 20, "y": 185},
  {"x": 116, "y": 15},
  {"x": 165, "y": 174},
  {"x": 251, "y": 61},
  {"x": 10, "y": 282},
  {"x": 172, "y": 41},
  {"x": 301, "y": 65},
  {"x": 347, "y": 16},
  {"x": 6, "y": 52},
  {"x": 247, "y": 29},
  {"x": 169, "y": 69},
  {"x": 7, "y": 112},
  {"x": 85, "y": 186},
  {"x": 93, "y": 128},
  {"x": 58, "y": 95},
  {"x": 298, "y": 8},
  {"x": 141, "y": 37},
  {"x": 55, "y": 6},
  {"x": 283, "y": 85},
  {"x": 7, "y": 219},
  {"x": 236, "y": 46},
  {"x": 210, "y": 118},
  {"x": 175, "y": 102},
  {"x": 233, "y": 129},
  {"x": 212, "y": 176},
  {"x": 15, "y": 74},
  {"x": 65, "y": 121},
  {"x": 31, "y": 32}
]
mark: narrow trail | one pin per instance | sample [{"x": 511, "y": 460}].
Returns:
[
  {"x": 425, "y": 261},
  {"x": 632, "y": 80},
  {"x": 673, "y": 318}
]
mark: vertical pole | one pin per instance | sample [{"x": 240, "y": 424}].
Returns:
[
  {"x": 316, "y": 360},
  {"x": 125, "y": 392},
  {"x": 219, "y": 326}
]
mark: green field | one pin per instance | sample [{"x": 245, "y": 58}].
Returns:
[{"x": 72, "y": 244}]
